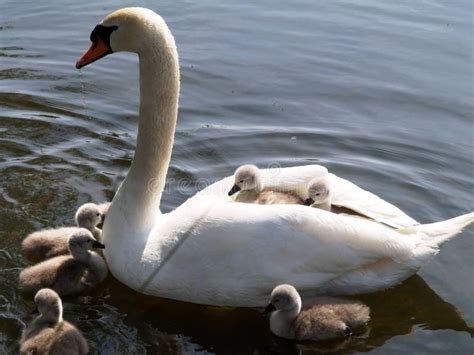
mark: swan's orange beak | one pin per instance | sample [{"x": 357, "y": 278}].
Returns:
[{"x": 97, "y": 50}]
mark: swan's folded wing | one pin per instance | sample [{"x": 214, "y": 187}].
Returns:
[
  {"x": 349, "y": 195},
  {"x": 237, "y": 249}
]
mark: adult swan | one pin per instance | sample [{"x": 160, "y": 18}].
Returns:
[{"x": 213, "y": 251}]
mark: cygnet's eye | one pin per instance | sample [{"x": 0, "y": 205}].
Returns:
[
  {"x": 277, "y": 300},
  {"x": 241, "y": 181},
  {"x": 318, "y": 194},
  {"x": 98, "y": 214}
]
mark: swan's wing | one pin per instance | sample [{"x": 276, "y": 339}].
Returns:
[
  {"x": 242, "y": 250},
  {"x": 346, "y": 194}
]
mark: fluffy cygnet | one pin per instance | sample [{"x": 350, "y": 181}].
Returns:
[
  {"x": 249, "y": 186},
  {"x": 319, "y": 194},
  {"x": 68, "y": 274},
  {"x": 49, "y": 333},
  {"x": 48, "y": 243},
  {"x": 328, "y": 318}
]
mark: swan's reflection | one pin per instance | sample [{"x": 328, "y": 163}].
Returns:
[{"x": 166, "y": 325}]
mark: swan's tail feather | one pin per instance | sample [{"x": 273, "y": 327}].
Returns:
[{"x": 435, "y": 234}]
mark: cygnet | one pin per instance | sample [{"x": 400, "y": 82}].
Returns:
[
  {"x": 49, "y": 333},
  {"x": 250, "y": 188},
  {"x": 68, "y": 274},
  {"x": 48, "y": 243},
  {"x": 326, "y": 319}
]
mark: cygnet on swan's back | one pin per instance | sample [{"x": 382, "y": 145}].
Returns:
[
  {"x": 326, "y": 319},
  {"x": 319, "y": 194},
  {"x": 250, "y": 189},
  {"x": 49, "y": 333},
  {"x": 68, "y": 274},
  {"x": 48, "y": 243}
]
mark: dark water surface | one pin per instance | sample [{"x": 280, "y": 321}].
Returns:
[{"x": 381, "y": 94}]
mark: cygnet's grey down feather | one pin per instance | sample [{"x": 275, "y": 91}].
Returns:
[
  {"x": 327, "y": 318},
  {"x": 68, "y": 274},
  {"x": 48, "y": 243},
  {"x": 249, "y": 188},
  {"x": 49, "y": 333}
]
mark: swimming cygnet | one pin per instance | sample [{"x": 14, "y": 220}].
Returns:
[
  {"x": 329, "y": 318},
  {"x": 49, "y": 333},
  {"x": 319, "y": 194},
  {"x": 68, "y": 274},
  {"x": 248, "y": 183},
  {"x": 48, "y": 243}
]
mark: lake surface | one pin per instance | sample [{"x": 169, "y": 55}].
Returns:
[{"x": 380, "y": 93}]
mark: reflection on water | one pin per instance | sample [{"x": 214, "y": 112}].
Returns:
[
  {"x": 379, "y": 93},
  {"x": 118, "y": 319}
]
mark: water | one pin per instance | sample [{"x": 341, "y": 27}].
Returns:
[{"x": 379, "y": 93}]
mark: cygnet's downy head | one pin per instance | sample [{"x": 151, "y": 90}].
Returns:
[
  {"x": 48, "y": 304},
  {"x": 132, "y": 29},
  {"x": 284, "y": 298},
  {"x": 246, "y": 177},
  {"x": 81, "y": 241},
  {"x": 88, "y": 216},
  {"x": 319, "y": 191}
]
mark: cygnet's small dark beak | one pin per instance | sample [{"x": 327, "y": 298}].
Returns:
[
  {"x": 269, "y": 309},
  {"x": 234, "y": 189},
  {"x": 102, "y": 218},
  {"x": 34, "y": 311},
  {"x": 98, "y": 245},
  {"x": 347, "y": 331},
  {"x": 308, "y": 202}
]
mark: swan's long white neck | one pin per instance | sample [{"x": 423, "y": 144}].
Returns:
[
  {"x": 135, "y": 207},
  {"x": 159, "y": 90}
]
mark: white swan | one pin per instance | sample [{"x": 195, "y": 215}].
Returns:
[
  {"x": 212, "y": 251},
  {"x": 249, "y": 188}
]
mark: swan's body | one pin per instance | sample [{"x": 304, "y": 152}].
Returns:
[
  {"x": 327, "y": 318},
  {"x": 49, "y": 333},
  {"x": 48, "y": 243},
  {"x": 68, "y": 274},
  {"x": 213, "y": 251},
  {"x": 248, "y": 188}
]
